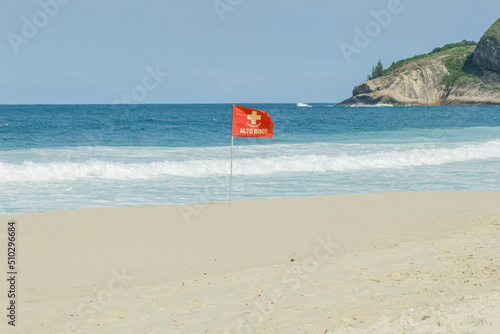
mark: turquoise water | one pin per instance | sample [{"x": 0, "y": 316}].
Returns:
[{"x": 79, "y": 156}]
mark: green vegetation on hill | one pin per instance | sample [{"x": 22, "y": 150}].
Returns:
[
  {"x": 453, "y": 45},
  {"x": 453, "y": 49},
  {"x": 491, "y": 86},
  {"x": 462, "y": 70},
  {"x": 458, "y": 62},
  {"x": 494, "y": 30}
]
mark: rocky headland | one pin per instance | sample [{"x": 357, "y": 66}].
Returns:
[{"x": 462, "y": 73}]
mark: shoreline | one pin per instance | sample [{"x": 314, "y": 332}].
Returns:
[{"x": 360, "y": 257}]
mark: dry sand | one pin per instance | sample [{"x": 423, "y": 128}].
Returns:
[{"x": 423, "y": 262}]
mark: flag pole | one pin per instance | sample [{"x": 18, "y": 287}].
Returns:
[{"x": 231, "y": 175}]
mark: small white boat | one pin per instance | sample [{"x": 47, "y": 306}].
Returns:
[{"x": 303, "y": 105}]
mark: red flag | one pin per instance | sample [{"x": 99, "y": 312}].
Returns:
[{"x": 249, "y": 122}]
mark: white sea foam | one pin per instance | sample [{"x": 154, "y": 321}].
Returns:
[
  {"x": 357, "y": 159},
  {"x": 371, "y": 105}
]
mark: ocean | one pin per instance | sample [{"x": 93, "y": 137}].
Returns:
[{"x": 58, "y": 157}]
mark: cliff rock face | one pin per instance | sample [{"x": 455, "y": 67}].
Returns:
[
  {"x": 417, "y": 83},
  {"x": 472, "y": 95},
  {"x": 487, "y": 54},
  {"x": 421, "y": 82}
]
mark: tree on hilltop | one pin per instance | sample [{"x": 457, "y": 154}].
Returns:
[{"x": 377, "y": 71}]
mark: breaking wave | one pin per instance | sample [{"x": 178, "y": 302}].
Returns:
[{"x": 30, "y": 171}]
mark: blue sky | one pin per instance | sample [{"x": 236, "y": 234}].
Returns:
[{"x": 227, "y": 51}]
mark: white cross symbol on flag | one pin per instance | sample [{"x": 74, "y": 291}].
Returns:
[{"x": 254, "y": 117}]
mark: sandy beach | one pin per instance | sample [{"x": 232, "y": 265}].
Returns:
[{"x": 422, "y": 262}]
